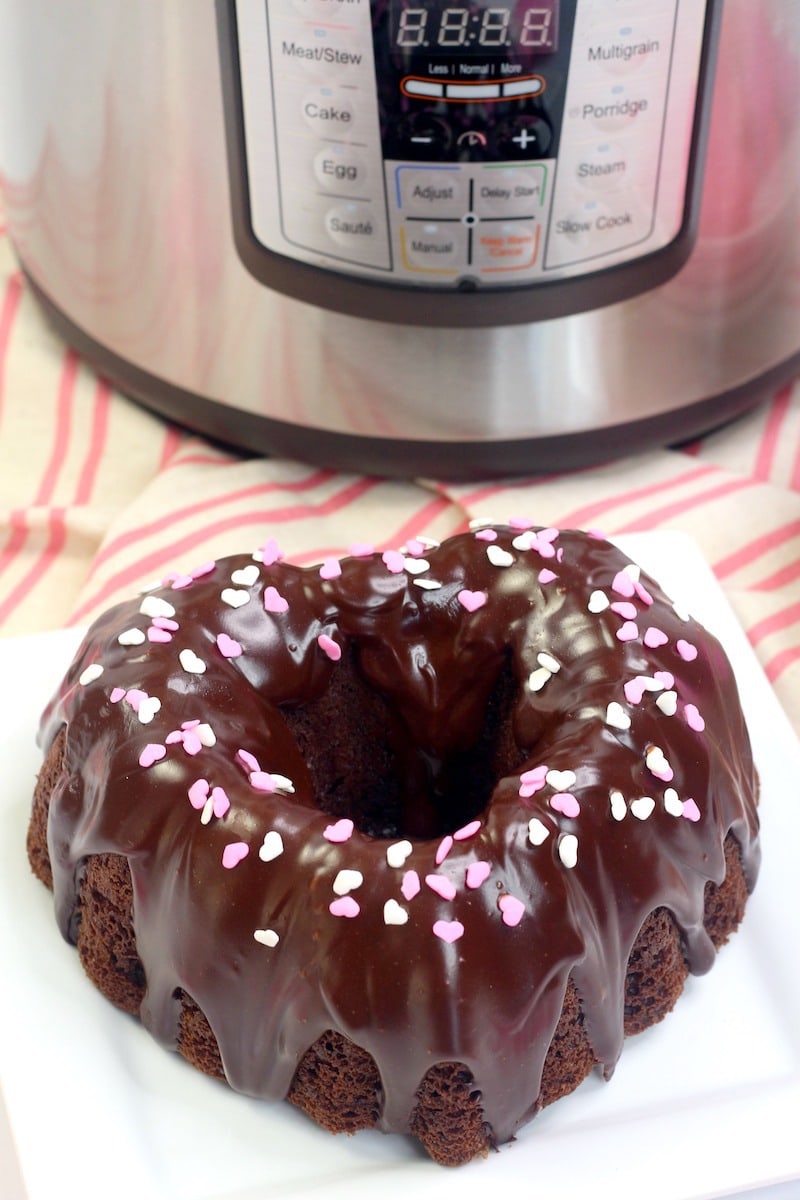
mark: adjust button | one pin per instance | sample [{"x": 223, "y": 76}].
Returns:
[{"x": 431, "y": 191}]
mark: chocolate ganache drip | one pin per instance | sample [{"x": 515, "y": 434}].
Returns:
[{"x": 404, "y": 797}]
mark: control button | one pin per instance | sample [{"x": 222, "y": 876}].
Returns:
[
  {"x": 473, "y": 91},
  {"x": 602, "y": 167},
  {"x": 353, "y": 227},
  {"x": 506, "y": 246},
  {"x": 423, "y": 87},
  {"x": 472, "y": 138},
  {"x": 424, "y": 135},
  {"x": 510, "y": 191},
  {"x": 532, "y": 85},
  {"x": 526, "y": 137},
  {"x": 338, "y": 166},
  {"x": 328, "y": 112},
  {"x": 433, "y": 246},
  {"x": 429, "y": 191}
]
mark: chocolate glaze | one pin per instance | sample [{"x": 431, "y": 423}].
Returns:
[{"x": 420, "y": 681}]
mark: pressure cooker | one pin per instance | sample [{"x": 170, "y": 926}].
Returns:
[{"x": 420, "y": 238}]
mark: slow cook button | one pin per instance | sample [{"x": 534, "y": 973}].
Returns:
[
  {"x": 431, "y": 191},
  {"x": 434, "y": 246},
  {"x": 506, "y": 246}
]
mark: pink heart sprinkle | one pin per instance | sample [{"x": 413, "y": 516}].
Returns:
[
  {"x": 546, "y": 575},
  {"x": 532, "y": 781},
  {"x": 330, "y": 569},
  {"x": 513, "y": 910},
  {"x": 693, "y": 718},
  {"x": 522, "y": 523},
  {"x": 220, "y": 802},
  {"x": 117, "y": 694},
  {"x": 361, "y": 550},
  {"x": 166, "y": 623},
  {"x": 486, "y": 535},
  {"x": 411, "y": 886},
  {"x": 271, "y": 552},
  {"x": 655, "y": 637},
  {"x": 547, "y": 535},
  {"x": 415, "y": 547},
  {"x": 262, "y": 781},
  {"x": 204, "y": 569},
  {"x": 690, "y": 810},
  {"x": 193, "y": 724},
  {"x": 394, "y": 561},
  {"x": 154, "y": 634},
  {"x": 687, "y": 651},
  {"x": 152, "y": 753},
  {"x": 628, "y": 632},
  {"x": 665, "y": 679},
  {"x": 233, "y": 854},
  {"x": 625, "y": 609},
  {"x": 466, "y": 831},
  {"x": 228, "y": 646},
  {"x": 175, "y": 738},
  {"x": 471, "y": 601},
  {"x": 623, "y": 585},
  {"x": 634, "y": 689},
  {"x": 274, "y": 602},
  {"x": 134, "y": 697},
  {"x": 180, "y": 582},
  {"x": 448, "y": 931},
  {"x": 198, "y": 793},
  {"x": 443, "y": 849},
  {"x": 328, "y": 646},
  {"x": 543, "y": 547},
  {"x": 345, "y": 906},
  {"x": 477, "y": 873},
  {"x": 566, "y": 803},
  {"x": 642, "y": 593},
  {"x": 247, "y": 760},
  {"x": 443, "y": 886},
  {"x": 191, "y": 742},
  {"x": 340, "y": 831}
]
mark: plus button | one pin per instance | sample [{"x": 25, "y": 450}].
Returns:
[{"x": 525, "y": 138}]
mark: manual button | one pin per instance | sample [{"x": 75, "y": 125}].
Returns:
[{"x": 434, "y": 246}]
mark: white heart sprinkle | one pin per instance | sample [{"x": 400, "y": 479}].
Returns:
[
  {"x": 132, "y": 637},
  {"x": 673, "y": 803},
  {"x": 618, "y": 806},
  {"x": 598, "y": 602},
  {"x": 429, "y": 585},
  {"x": 271, "y": 847},
  {"x": 206, "y": 734},
  {"x": 148, "y": 709},
  {"x": 397, "y": 853},
  {"x": 246, "y": 576},
  {"x": 208, "y": 812},
  {"x": 656, "y": 761},
  {"x": 281, "y": 783},
  {"x": 394, "y": 913},
  {"x": 617, "y": 717},
  {"x": 267, "y": 937},
  {"x": 537, "y": 831},
  {"x": 633, "y": 570},
  {"x": 538, "y": 678},
  {"x": 499, "y": 557},
  {"x": 191, "y": 663},
  {"x": 347, "y": 881},
  {"x": 92, "y": 672},
  {"x": 234, "y": 597},
  {"x": 668, "y": 703},
  {"x": 568, "y": 850},
  {"x": 547, "y": 660},
  {"x": 416, "y": 566},
  {"x": 561, "y": 781},
  {"x": 643, "y": 807},
  {"x": 524, "y": 540},
  {"x": 154, "y": 606}
]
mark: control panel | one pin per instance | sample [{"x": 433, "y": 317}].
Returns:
[{"x": 466, "y": 146}]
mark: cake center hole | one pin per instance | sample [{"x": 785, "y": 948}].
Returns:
[{"x": 366, "y": 765}]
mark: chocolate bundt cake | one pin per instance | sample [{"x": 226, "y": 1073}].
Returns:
[{"x": 414, "y": 838}]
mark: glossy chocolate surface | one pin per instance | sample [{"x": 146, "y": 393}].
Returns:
[{"x": 523, "y": 749}]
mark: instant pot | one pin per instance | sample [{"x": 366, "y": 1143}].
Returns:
[{"x": 429, "y": 238}]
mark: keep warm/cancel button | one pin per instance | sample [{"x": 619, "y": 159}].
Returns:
[{"x": 506, "y": 246}]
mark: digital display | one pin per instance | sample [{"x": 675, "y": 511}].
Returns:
[{"x": 475, "y": 29}]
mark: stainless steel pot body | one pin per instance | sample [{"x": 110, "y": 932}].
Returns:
[{"x": 117, "y": 197}]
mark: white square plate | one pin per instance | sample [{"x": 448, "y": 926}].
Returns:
[{"x": 703, "y": 1105}]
